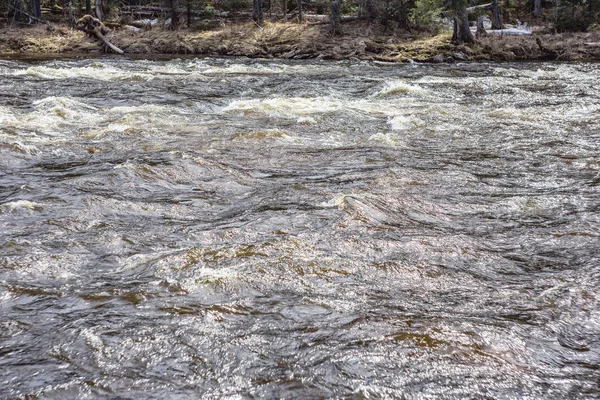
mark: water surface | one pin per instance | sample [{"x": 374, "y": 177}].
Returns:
[{"x": 210, "y": 228}]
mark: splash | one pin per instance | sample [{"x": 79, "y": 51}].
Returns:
[{"x": 400, "y": 88}]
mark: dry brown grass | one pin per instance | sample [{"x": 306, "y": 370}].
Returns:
[
  {"x": 38, "y": 40},
  {"x": 290, "y": 40},
  {"x": 563, "y": 47}
]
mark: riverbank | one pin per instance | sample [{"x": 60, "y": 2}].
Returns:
[{"x": 294, "y": 41}]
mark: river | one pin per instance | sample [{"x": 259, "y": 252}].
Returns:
[{"x": 239, "y": 229}]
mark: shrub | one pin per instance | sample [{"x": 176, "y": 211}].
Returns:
[{"x": 426, "y": 14}]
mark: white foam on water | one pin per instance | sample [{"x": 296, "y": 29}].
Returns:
[
  {"x": 383, "y": 107},
  {"x": 65, "y": 107},
  {"x": 58, "y": 117},
  {"x": 405, "y": 122},
  {"x": 7, "y": 118},
  {"x": 18, "y": 145},
  {"x": 533, "y": 118},
  {"x": 20, "y": 205},
  {"x": 268, "y": 134},
  {"x": 214, "y": 274},
  {"x": 52, "y": 120},
  {"x": 133, "y": 120},
  {"x": 99, "y": 72},
  {"x": 243, "y": 69},
  {"x": 117, "y": 128},
  {"x": 305, "y": 110},
  {"x": 285, "y": 107},
  {"x": 557, "y": 73},
  {"x": 154, "y": 71},
  {"x": 588, "y": 113},
  {"x": 204, "y": 67},
  {"x": 439, "y": 80},
  {"x": 146, "y": 109},
  {"x": 106, "y": 72},
  {"x": 390, "y": 139},
  {"x": 306, "y": 121},
  {"x": 35, "y": 264},
  {"x": 399, "y": 88}
]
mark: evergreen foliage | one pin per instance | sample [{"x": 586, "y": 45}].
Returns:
[{"x": 425, "y": 14}]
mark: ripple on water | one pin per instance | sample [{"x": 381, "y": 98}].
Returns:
[{"x": 248, "y": 228}]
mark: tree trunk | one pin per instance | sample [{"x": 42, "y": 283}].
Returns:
[
  {"x": 71, "y": 17},
  {"x": 36, "y": 9},
  {"x": 14, "y": 9},
  {"x": 257, "y": 12},
  {"x": 480, "y": 29},
  {"x": 454, "y": 30},
  {"x": 99, "y": 9},
  {"x": 496, "y": 24},
  {"x": 174, "y": 17},
  {"x": 300, "y": 11},
  {"x": 537, "y": 8},
  {"x": 371, "y": 12},
  {"x": 88, "y": 7},
  {"x": 335, "y": 16},
  {"x": 461, "y": 32},
  {"x": 189, "y": 13},
  {"x": 284, "y": 9}
]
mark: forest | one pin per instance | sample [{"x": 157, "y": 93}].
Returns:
[{"x": 389, "y": 15}]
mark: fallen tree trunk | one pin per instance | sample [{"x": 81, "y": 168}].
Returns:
[
  {"x": 144, "y": 8},
  {"x": 473, "y": 9},
  {"x": 341, "y": 21},
  {"x": 94, "y": 27}
]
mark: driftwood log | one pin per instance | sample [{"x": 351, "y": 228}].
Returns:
[
  {"x": 474, "y": 9},
  {"x": 94, "y": 27},
  {"x": 341, "y": 21}
]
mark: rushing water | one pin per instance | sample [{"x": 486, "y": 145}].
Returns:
[{"x": 207, "y": 228}]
